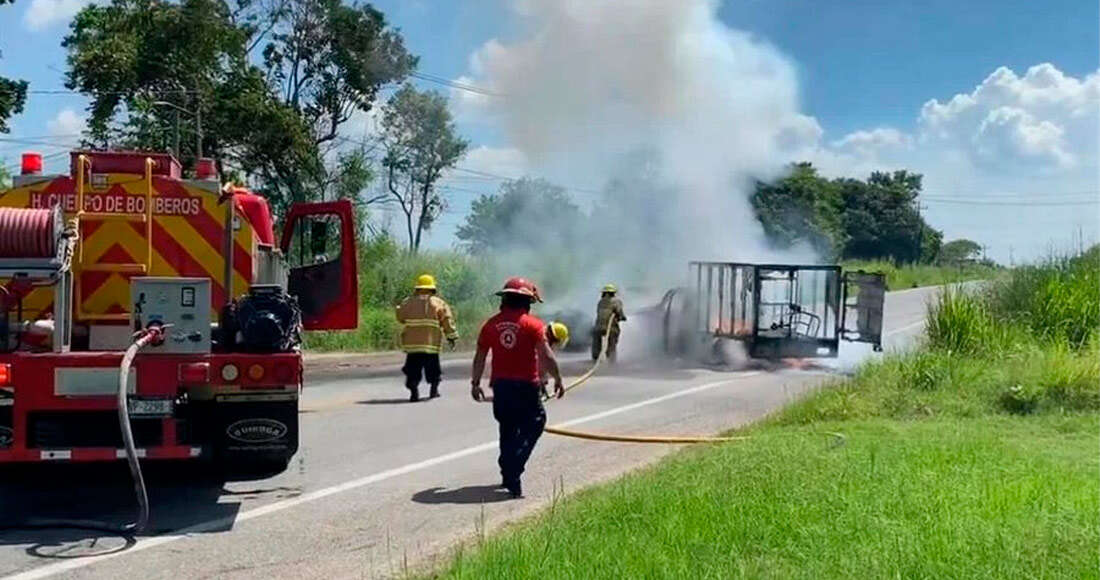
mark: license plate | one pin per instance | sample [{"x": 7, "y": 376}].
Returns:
[{"x": 147, "y": 407}]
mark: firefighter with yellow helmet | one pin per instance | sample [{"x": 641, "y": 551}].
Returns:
[
  {"x": 425, "y": 319},
  {"x": 557, "y": 336},
  {"x": 609, "y": 313}
]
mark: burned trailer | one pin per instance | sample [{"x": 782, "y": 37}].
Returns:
[{"x": 775, "y": 310}]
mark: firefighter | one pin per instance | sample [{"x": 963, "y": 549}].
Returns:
[
  {"x": 557, "y": 336},
  {"x": 426, "y": 319},
  {"x": 609, "y": 313},
  {"x": 519, "y": 346}
]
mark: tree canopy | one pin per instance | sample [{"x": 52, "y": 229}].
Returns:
[
  {"x": 526, "y": 214},
  {"x": 846, "y": 217},
  {"x": 421, "y": 142},
  {"x": 146, "y": 64},
  {"x": 960, "y": 251}
]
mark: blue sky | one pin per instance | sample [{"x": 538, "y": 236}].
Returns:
[{"x": 860, "y": 66}]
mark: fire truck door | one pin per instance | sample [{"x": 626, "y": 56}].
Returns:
[
  {"x": 319, "y": 244},
  {"x": 864, "y": 297}
]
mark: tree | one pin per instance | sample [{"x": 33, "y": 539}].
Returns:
[
  {"x": 526, "y": 214},
  {"x": 420, "y": 142},
  {"x": 960, "y": 251},
  {"x": 801, "y": 207},
  {"x": 13, "y": 95},
  {"x": 146, "y": 63},
  {"x": 329, "y": 60},
  {"x": 5, "y": 178},
  {"x": 881, "y": 219}
]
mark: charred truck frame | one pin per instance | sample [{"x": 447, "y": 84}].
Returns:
[
  {"x": 123, "y": 245},
  {"x": 775, "y": 310}
]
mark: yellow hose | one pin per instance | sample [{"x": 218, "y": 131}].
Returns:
[
  {"x": 624, "y": 438},
  {"x": 638, "y": 438}
]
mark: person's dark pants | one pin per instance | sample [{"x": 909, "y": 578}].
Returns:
[
  {"x": 421, "y": 364},
  {"x": 612, "y": 344},
  {"x": 518, "y": 410}
]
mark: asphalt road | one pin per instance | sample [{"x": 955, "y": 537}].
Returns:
[{"x": 381, "y": 484}]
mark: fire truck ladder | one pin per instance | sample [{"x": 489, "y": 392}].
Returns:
[{"x": 115, "y": 268}]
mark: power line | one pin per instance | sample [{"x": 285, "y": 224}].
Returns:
[
  {"x": 455, "y": 84},
  {"x": 1010, "y": 203}
]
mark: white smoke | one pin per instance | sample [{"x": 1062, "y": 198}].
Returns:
[
  {"x": 589, "y": 82},
  {"x": 661, "y": 97}
]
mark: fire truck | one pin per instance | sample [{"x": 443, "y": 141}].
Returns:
[{"x": 125, "y": 253}]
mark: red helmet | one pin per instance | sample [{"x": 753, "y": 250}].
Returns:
[{"x": 521, "y": 286}]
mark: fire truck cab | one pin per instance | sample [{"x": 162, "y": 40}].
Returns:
[{"x": 124, "y": 242}]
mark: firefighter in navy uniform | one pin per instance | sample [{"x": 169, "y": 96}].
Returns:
[
  {"x": 426, "y": 319},
  {"x": 609, "y": 313},
  {"x": 519, "y": 346}
]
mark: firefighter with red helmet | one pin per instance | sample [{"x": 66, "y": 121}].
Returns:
[{"x": 519, "y": 345}]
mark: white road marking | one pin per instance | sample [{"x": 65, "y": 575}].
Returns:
[
  {"x": 906, "y": 327},
  {"x": 143, "y": 544}
]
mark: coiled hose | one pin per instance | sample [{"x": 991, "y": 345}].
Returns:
[{"x": 27, "y": 233}]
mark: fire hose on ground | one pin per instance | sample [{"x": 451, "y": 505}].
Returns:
[
  {"x": 591, "y": 436},
  {"x": 151, "y": 335}
]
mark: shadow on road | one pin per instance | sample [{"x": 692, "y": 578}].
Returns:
[
  {"x": 393, "y": 401},
  {"x": 471, "y": 494},
  {"x": 179, "y": 497}
]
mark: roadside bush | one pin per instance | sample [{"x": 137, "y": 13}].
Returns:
[{"x": 1058, "y": 301}]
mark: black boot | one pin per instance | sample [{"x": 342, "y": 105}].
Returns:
[
  {"x": 414, "y": 394},
  {"x": 434, "y": 393},
  {"x": 514, "y": 489}
]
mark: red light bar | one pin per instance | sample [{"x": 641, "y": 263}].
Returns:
[{"x": 32, "y": 163}]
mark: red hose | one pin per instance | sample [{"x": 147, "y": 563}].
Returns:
[{"x": 26, "y": 233}]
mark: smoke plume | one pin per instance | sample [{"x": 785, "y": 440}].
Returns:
[{"x": 668, "y": 112}]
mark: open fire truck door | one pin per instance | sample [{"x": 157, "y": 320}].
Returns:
[{"x": 319, "y": 244}]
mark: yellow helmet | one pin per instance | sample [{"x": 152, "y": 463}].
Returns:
[
  {"x": 610, "y": 289},
  {"x": 425, "y": 282},
  {"x": 560, "y": 332}
]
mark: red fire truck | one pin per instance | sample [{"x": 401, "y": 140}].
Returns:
[{"x": 124, "y": 253}]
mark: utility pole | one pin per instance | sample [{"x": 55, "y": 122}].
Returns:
[
  {"x": 1011, "y": 256},
  {"x": 198, "y": 127},
  {"x": 176, "y": 149}
]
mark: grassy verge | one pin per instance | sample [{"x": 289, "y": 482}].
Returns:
[
  {"x": 901, "y": 277},
  {"x": 974, "y": 457},
  {"x": 949, "y": 498}
]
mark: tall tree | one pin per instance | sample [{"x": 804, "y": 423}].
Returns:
[
  {"x": 420, "y": 142},
  {"x": 13, "y": 94},
  {"x": 146, "y": 63},
  {"x": 526, "y": 214},
  {"x": 801, "y": 207},
  {"x": 881, "y": 219},
  {"x": 328, "y": 60}
]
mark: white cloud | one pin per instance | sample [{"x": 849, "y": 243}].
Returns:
[
  {"x": 1011, "y": 139},
  {"x": 41, "y": 14},
  {"x": 1044, "y": 120},
  {"x": 67, "y": 123}
]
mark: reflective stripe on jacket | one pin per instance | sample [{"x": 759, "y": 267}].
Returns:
[{"x": 425, "y": 320}]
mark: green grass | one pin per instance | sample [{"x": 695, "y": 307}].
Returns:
[
  {"x": 901, "y": 277},
  {"x": 988, "y": 498},
  {"x": 974, "y": 457}
]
